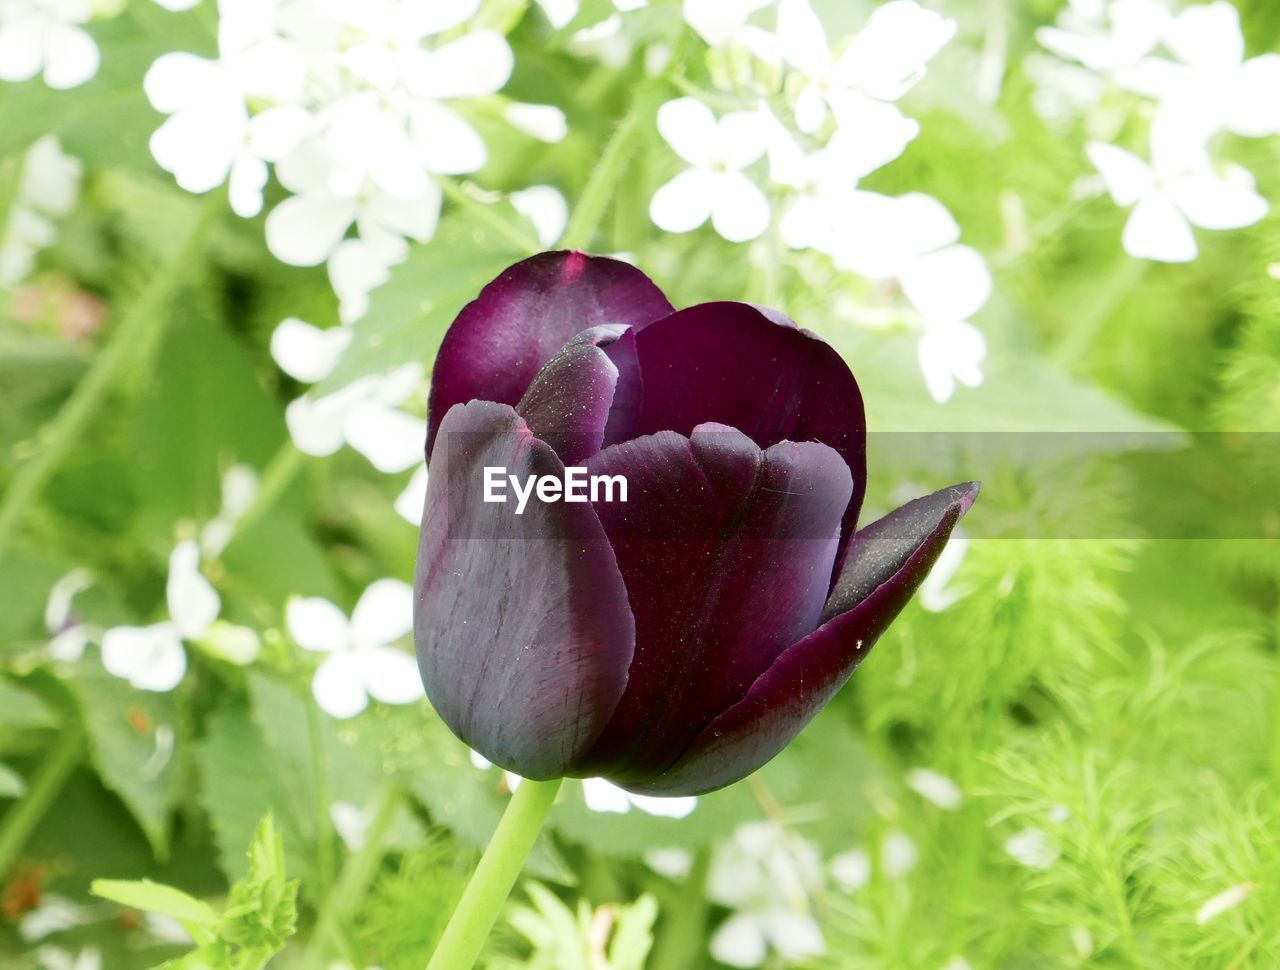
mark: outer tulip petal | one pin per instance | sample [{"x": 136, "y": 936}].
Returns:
[
  {"x": 500, "y": 341},
  {"x": 756, "y": 371},
  {"x": 887, "y": 561},
  {"x": 727, "y": 554},
  {"x": 522, "y": 626},
  {"x": 590, "y": 387}
]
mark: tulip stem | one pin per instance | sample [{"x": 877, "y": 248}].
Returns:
[{"x": 491, "y": 883}]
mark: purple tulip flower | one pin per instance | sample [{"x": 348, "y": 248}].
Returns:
[{"x": 676, "y": 641}]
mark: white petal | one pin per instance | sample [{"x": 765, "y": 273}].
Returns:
[
  {"x": 276, "y": 132},
  {"x": 684, "y": 203},
  {"x": 1127, "y": 177},
  {"x": 605, "y": 796},
  {"x": 559, "y": 12},
  {"x": 672, "y": 863},
  {"x": 948, "y": 285},
  {"x": 1207, "y": 36},
  {"x": 198, "y": 144},
  {"x": 149, "y": 658},
  {"x": 689, "y": 127},
  {"x": 925, "y": 224},
  {"x": 852, "y": 869},
  {"x": 409, "y": 503},
  {"x": 1223, "y": 902},
  {"x": 446, "y": 142},
  {"x": 740, "y": 139},
  {"x": 21, "y": 51},
  {"x": 248, "y": 178},
  {"x": 811, "y": 109},
  {"x": 356, "y": 269},
  {"x": 936, "y": 788},
  {"x": 315, "y": 425},
  {"x": 416, "y": 218},
  {"x": 898, "y": 854},
  {"x": 71, "y": 57},
  {"x": 477, "y": 63},
  {"x": 193, "y": 602},
  {"x": 351, "y": 824},
  {"x": 363, "y": 138},
  {"x": 176, "y": 78},
  {"x": 178, "y": 5},
  {"x": 740, "y": 211},
  {"x": 950, "y": 352},
  {"x": 392, "y": 440},
  {"x": 545, "y": 122},
  {"x": 545, "y": 207},
  {"x": 666, "y": 807},
  {"x": 57, "y": 611},
  {"x": 69, "y": 645},
  {"x": 338, "y": 686},
  {"x": 272, "y": 70},
  {"x": 719, "y": 21},
  {"x": 1034, "y": 848},
  {"x": 391, "y": 676},
  {"x": 801, "y": 38},
  {"x": 237, "y": 644},
  {"x": 1180, "y": 133},
  {"x": 426, "y": 19},
  {"x": 1212, "y": 202},
  {"x": 316, "y": 624},
  {"x": 889, "y": 55},
  {"x": 307, "y": 353},
  {"x": 304, "y": 230},
  {"x": 871, "y": 134},
  {"x": 384, "y": 613},
  {"x": 306, "y": 169},
  {"x": 396, "y": 386},
  {"x": 1253, "y": 109},
  {"x": 795, "y": 936},
  {"x": 936, "y": 593},
  {"x": 1158, "y": 230},
  {"x": 739, "y": 942}
]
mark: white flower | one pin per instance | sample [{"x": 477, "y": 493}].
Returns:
[
  {"x": 766, "y": 876},
  {"x": 545, "y": 122},
  {"x": 69, "y": 636},
  {"x": 851, "y": 869},
  {"x": 152, "y": 657},
  {"x": 1223, "y": 902},
  {"x": 714, "y": 185},
  {"x": 364, "y": 415},
  {"x": 881, "y": 63},
  {"x": 1211, "y": 76},
  {"x": 936, "y": 592},
  {"x": 545, "y": 207},
  {"x": 936, "y": 788},
  {"x": 950, "y": 353},
  {"x": 672, "y": 863},
  {"x": 1034, "y": 848},
  {"x": 56, "y": 958},
  {"x": 47, "y": 190},
  {"x": 409, "y": 502},
  {"x": 239, "y": 489},
  {"x": 559, "y": 12},
  {"x": 307, "y": 353},
  {"x": 360, "y": 662},
  {"x": 177, "y": 5},
  {"x": 1177, "y": 190},
  {"x": 351, "y": 823},
  {"x": 54, "y": 915},
  {"x": 721, "y": 22},
  {"x": 1131, "y": 30},
  {"x": 898, "y": 854},
  {"x": 45, "y": 37},
  {"x": 605, "y": 796}
]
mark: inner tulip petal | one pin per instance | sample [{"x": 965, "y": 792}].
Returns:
[
  {"x": 727, "y": 553},
  {"x": 521, "y": 622},
  {"x": 500, "y": 340},
  {"x": 899, "y": 551},
  {"x": 756, "y": 371}
]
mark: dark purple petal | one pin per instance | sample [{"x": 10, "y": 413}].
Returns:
[
  {"x": 727, "y": 554},
  {"x": 521, "y": 622},
  {"x": 500, "y": 340},
  {"x": 590, "y": 389},
  {"x": 901, "y": 549},
  {"x": 754, "y": 370}
]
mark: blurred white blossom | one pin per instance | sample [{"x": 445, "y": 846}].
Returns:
[
  {"x": 936, "y": 788},
  {"x": 58, "y": 958},
  {"x": 937, "y": 592},
  {"x": 1106, "y": 37},
  {"x": 409, "y": 502},
  {"x": 360, "y": 661},
  {"x": 851, "y": 869},
  {"x": 1178, "y": 189},
  {"x": 1223, "y": 902},
  {"x": 305, "y": 352},
  {"x": 604, "y": 796},
  {"x": 152, "y": 657},
  {"x": 546, "y": 208},
  {"x": 714, "y": 186},
  {"x": 69, "y": 634},
  {"x": 720, "y": 22},
  {"x": 544, "y": 122},
  {"x": 239, "y": 489},
  {"x": 766, "y": 876},
  {"x": 1033, "y": 847},
  {"x": 898, "y": 854},
  {"x": 45, "y": 37},
  {"x": 47, "y": 190},
  {"x": 878, "y": 66}
]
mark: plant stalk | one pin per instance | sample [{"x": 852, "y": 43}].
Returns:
[
  {"x": 23, "y": 817},
  {"x": 491, "y": 883}
]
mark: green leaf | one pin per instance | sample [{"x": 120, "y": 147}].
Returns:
[
  {"x": 409, "y": 314},
  {"x": 153, "y": 897},
  {"x": 21, "y": 709},
  {"x": 633, "y": 934},
  {"x": 12, "y": 784},
  {"x": 262, "y": 909}
]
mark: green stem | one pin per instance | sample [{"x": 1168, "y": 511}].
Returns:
[
  {"x": 23, "y": 818},
  {"x": 355, "y": 878},
  {"x": 484, "y": 213},
  {"x": 604, "y": 179},
  {"x": 276, "y": 477},
  {"x": 501, "y": 863},
  {"x": 681, "y": 943},
  {"x": 86, "y": 400}
]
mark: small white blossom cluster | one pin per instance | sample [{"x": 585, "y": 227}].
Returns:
[
  {"x": 351, "y": 101},
  {"x": 1192, "y": 65},
  {"x": 839, "y": 124},
  {"x": 47, "y": 38},
  {"x": 47, "y": 191}
]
